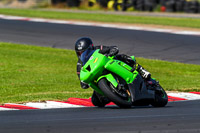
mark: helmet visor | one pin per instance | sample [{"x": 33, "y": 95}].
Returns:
[{"x": 79, "y": 53}]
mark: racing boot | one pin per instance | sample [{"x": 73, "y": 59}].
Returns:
[
  {"x": 152, "y": 84},
  {"x": 99, "y": 100},
  {"x": 84, "y": 85},
  {"x": 144, "y": 73}
]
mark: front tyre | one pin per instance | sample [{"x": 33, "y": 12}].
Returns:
[
  {"x": 104, "y": 85},
  {"x": 161, "y": 98}
]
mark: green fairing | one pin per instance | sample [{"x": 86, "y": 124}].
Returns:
[
  {"x": 110, "y": 78},
  {"x": 121, "y": 69},
  {"x": 96, "y": 68},
  {"x": 92, "y": 71},
  {"x": 94, "y": 86}
]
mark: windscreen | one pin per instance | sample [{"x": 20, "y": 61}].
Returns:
[{"x": 85, "y": 56}]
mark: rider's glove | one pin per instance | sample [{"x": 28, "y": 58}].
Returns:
[
  {"x": 114, "y": 51},
  {"x": 84, "y": 85}
]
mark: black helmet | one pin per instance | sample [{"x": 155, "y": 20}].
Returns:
[{"x": 83, "y": 44}]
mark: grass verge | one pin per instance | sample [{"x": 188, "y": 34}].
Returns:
[
  {"x": 99, "y": 17},
  {"x": 32, "y": 73}
]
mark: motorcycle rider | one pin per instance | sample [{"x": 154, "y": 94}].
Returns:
[{"x": 86, "y": 43}]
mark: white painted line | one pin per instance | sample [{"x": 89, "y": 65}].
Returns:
[
  {"x": 180, "y": 32},
  {"x": 185, "y": 95},
  {"x": 51, "y": 104},
  {"x": 162, "y": 30},
  {"x": 187, "y": 32},
  {"x": 63, "y": 105},
  {"x": 37, "y": 20}
]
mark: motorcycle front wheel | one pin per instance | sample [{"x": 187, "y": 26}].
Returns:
[
  {"x": 161, "y": 98},
  {"x": 109, "y": 92}
]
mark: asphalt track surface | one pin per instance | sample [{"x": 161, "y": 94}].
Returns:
[
  {"x": 177, "y": 117},
  {"x": 164, "y": 46}
]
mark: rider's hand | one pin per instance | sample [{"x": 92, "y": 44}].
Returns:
[
  {"x": 113, "y": 52},
  {"x": 84, "y": 85}
]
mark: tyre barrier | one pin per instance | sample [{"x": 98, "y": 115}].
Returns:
[
  {"x": 170, "y": 6},
  {"x": 103, "y": 3},
  {"x": 179, "y": 5},
  {"x": 140, "y": 5},
  {"x": 73, "y": 3},
  {"x": 191, "y": 7},
  {"x": 149, "y": 5},
  {"x": 188, "y": 6}
]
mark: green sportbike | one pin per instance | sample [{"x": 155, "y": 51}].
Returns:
[{"x": 119, "y": 82}]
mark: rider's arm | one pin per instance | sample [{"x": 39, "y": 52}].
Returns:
[
  {"x": 110, "y": 50},
  {"x": 127, "y": 59},
  {"x": 83, "y": 85}
]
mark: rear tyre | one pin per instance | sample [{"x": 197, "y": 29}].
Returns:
[
  {"x": 112, "y": 95},
  {"x": 161, "y": 98}
]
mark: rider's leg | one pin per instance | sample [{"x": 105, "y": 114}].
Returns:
[
  {"x": 132, "y": 62},
  {"x": 126, "y": 59},
  {"x": 99, "y": 100},
  {"x": 144, "y": 73}
]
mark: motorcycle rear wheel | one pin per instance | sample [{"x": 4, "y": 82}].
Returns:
[{"x": 112, "y": 95}]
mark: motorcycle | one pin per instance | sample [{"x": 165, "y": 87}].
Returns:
[{"x": 119, "y": 82}]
